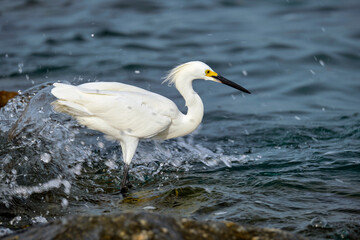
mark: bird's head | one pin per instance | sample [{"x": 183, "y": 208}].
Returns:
[{"x": 199, "y": 70}]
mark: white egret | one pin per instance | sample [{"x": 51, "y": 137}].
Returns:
[{"x": 127, "y": 113}]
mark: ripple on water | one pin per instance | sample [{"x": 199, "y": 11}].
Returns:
[
  {"x": 281, "y": 157},
  {"x": 120, "y": 34}
]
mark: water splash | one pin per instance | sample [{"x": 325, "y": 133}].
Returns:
[
  {"x": 24, "y": 191},
  {"x": 38, "y": 219},
  {"x": 39, "y": 155},
  {"x": 47, "y": 151}
]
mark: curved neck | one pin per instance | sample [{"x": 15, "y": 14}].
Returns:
[
  {"x": 184, "y": 124},
  {"x": 192, "y": 101}
]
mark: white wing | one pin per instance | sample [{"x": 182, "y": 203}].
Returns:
[
  {"x": 113, "y": 86},
  {"x": 116, "y": 109}
]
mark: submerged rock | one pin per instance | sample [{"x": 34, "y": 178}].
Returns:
[{"x": 141, "y": 226}]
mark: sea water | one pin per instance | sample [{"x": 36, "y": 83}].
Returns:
[{"x": 286, "y": 156}]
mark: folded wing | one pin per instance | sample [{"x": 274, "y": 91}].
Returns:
[{"x": 116, "y": 109}]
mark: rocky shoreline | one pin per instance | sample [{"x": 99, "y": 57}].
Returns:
[{"x": 145, "y": 225}]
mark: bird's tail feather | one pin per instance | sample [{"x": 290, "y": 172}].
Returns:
[
  {"x": 69, "y": 100},
  {"x": 66, "y": 92},
  {"x": 70, "y": 108}
]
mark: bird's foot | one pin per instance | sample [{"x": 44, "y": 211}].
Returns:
[
  {"x": 129, "y": 185},
  {"x": 124, "y": 189}
]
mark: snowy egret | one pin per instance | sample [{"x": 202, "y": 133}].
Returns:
[{"x": 127, "y": 113}]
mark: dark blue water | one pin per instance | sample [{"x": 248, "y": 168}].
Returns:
[{"x": 287, "y": 156}]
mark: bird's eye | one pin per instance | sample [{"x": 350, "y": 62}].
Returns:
[{"x": 207, "y": 72}]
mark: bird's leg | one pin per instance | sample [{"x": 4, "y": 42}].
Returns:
[
  {"x": 125, "y": 181},
  {"x": 128, "y": 146}
]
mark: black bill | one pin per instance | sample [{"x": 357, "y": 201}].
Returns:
[{"x": 231, "y": 84}]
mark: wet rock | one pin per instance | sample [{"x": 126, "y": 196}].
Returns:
[
  {"x": 5, "y": 97},
  {"x": 141, "y": 226}
]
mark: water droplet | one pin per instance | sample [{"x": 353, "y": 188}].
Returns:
[
  {"x": 312, "y": 72},
  {"x": 64, "y": 202},
  {"x": 92, "y": 35},
  {"x": 77, "y": 170},
  {"x": 111, "y": 164},
  {"x": 137, "y": 72},
  {"x": 101, "y": 144},
  {"x": 322, "y": 63},
  {"x": 149, "y": 208},
  {"x": 15, "y": 220},
  {"x": 318, "y": 222},
  {"x": 20, "y": 67},
  {"x": 244, "y": 72},
  {"x": 67, "y": 186},
  {"x": 45, "y": 157},
  {"x": 38, "y": 219},
  {"x": 297, "y": 118}
]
